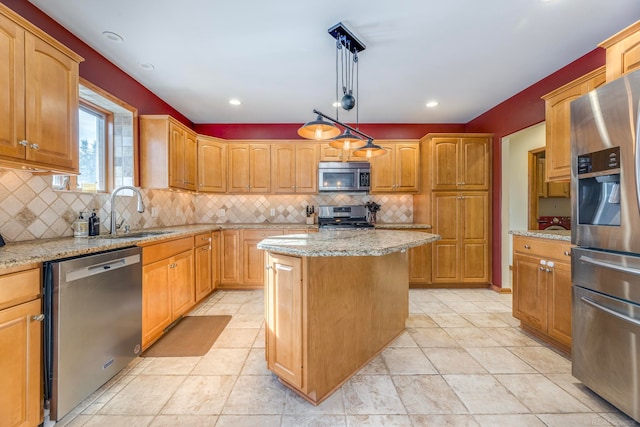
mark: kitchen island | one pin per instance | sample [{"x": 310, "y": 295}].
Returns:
[{"x": 333, "y": 301}]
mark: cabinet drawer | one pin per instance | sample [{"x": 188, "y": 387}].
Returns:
[
  {"x": 18, "y": 286},
  {"x": 543, "y": 248},
  {"x": 160, "y": 251},
  {"x": 202, "y": 239},
  {"x": 260, "y": 234}
]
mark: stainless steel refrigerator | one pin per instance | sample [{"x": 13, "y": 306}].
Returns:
[{"x": 605, "y": 191}]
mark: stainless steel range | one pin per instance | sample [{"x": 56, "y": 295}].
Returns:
[{"x": 343, "y": 217}]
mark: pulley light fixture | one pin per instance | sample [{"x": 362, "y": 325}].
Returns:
[{"x": 347, "y": 49}]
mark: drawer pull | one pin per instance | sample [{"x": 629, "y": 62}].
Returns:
[
  {"x": 527, "y": 247},
  {"x": 567, "y": 253},
  {"x": 38, "y": 318}
]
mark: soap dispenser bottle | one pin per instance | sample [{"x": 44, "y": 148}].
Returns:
[
  {"x": 81, "y": 226},
  {"x": 94, "y": 224}
]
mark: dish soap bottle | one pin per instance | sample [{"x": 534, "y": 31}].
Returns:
[
  {"x": 81, "y": 226},
  {"x": 94, "y": 224}
]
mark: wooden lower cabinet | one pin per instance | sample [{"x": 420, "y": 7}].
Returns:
[
  {"x": 181, "y": 277},
  {"x": 462, "y": 256},
  {"x": 420, "y": 266},
  {"x": 285, "y": 342},
  {"x": 253, "y": 258},
  {"x": 542, "y": 288},
  {"x": 203, "y": 265},
  {"x": 21, "y": 346},
  {"x": 242, "y": 263},
  {"x": 168, "y": 286},
  {"x": 230, "y": 262},
  {"x": 215, "y": 259}
]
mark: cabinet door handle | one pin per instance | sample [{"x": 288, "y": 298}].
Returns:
[
  {"x": 24, "y": 143},
  {"x": 567, "y": 253},
  {"x": 38, "y": 317},
  {"x": 268, "y": 267}
]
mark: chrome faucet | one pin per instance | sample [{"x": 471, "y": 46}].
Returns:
[{"x": 114, "y": 223}]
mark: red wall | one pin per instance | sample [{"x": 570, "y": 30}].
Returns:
[
  {"x": 96, "y": 68},
  {"x": 516, "y": 113}
]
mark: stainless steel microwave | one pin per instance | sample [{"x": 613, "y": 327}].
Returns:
[{"x": 344, "y": 176}]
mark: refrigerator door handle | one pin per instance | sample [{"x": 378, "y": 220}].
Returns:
[
  {"x": 610, "y": 311},
  {"x": 609, "y": 265}
]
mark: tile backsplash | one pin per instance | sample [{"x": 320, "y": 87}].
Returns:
[{"x": 31, "y": 209}]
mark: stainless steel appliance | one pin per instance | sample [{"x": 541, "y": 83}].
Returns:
[
  {"x": 343, "y": 217},
  {"x": 344, "y": 176},
  {"x": 93, "y": 307},
  {"x": 605, "y": 175}
]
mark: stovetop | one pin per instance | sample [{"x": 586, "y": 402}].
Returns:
[{"x": 343, "y": 217}]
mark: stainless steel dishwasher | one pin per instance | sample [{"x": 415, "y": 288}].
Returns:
[{"x": 93, "y": 307}]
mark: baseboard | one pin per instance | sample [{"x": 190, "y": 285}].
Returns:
[
  {"x": 500, "y": 290},
  {"x": 447, "y": 285}
]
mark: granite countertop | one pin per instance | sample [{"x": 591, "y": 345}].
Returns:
[
  {"x": 41, "y": 250},
  {"x": 563, "y": 235},
  {"x": 346, "y": 242},
  {"x": 400, "y": 226}
]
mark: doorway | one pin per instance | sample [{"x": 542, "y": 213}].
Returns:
[
  {"x": 515, "y": 188},
  {"x": 549, "y": 202}
]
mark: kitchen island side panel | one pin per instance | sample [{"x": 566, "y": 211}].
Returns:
[{"x": 356, "y": 306}]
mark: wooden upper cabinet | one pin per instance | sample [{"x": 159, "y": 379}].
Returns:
[
  {"x": 331, "y": 154},
  {"x": 398, "y": 170},
  {"x": 249, "y": 168},
  {"x": 558, "y": 123},
  {"x": 212, "y": 165},
  {"x": 461, "y": 163},
  {"x": 168, "y": 151},
  {"x": 623, "y": 52},
  {"x": 294, "y": 167},
  {"x": 182, "y": 157},
  {"x": 38, "y": 98}
]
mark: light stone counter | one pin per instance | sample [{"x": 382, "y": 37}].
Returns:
[
  {"x": 32, "y": 251},
  {"x": 564, "y": 235},
  {"x": 401, "y": 226},
  {"x": 327, "y": 243}
]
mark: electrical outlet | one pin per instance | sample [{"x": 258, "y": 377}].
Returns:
[
  {"x": 222, "y": 212},
  {"x": 155, "y": 211},
  {"x": 272, "y": 212}
]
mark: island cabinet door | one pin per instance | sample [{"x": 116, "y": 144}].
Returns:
[{"x": 284, "y": 318}]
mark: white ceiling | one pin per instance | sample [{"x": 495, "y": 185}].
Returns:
[{"x": 278, "y": 59}]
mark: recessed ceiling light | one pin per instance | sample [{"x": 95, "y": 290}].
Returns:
[
  {"x": 234, "y": 101},
  {"x": 111, "y": 36},
  {"x": 147, "y": 66},
  {"x": 432, "y": 104}
]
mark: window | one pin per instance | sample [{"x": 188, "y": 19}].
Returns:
[
  {"x": 107, "y": 143},
  {"x": 92, "y": 149}
]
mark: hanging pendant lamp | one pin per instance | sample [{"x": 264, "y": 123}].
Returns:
[
  {"x": 370, "y": 150},
  {"x": 347, "y": 49},
  {"x": 318, "y": 129},
  {"x": 347, "y": 141}
]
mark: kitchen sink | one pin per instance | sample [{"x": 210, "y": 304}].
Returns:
[{"x": 136, "y": 234}]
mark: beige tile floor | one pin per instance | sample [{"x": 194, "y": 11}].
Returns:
[{"x": 462, "y": 361}]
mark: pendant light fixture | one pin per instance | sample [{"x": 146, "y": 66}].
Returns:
[{"x": 347, "y": 49}]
